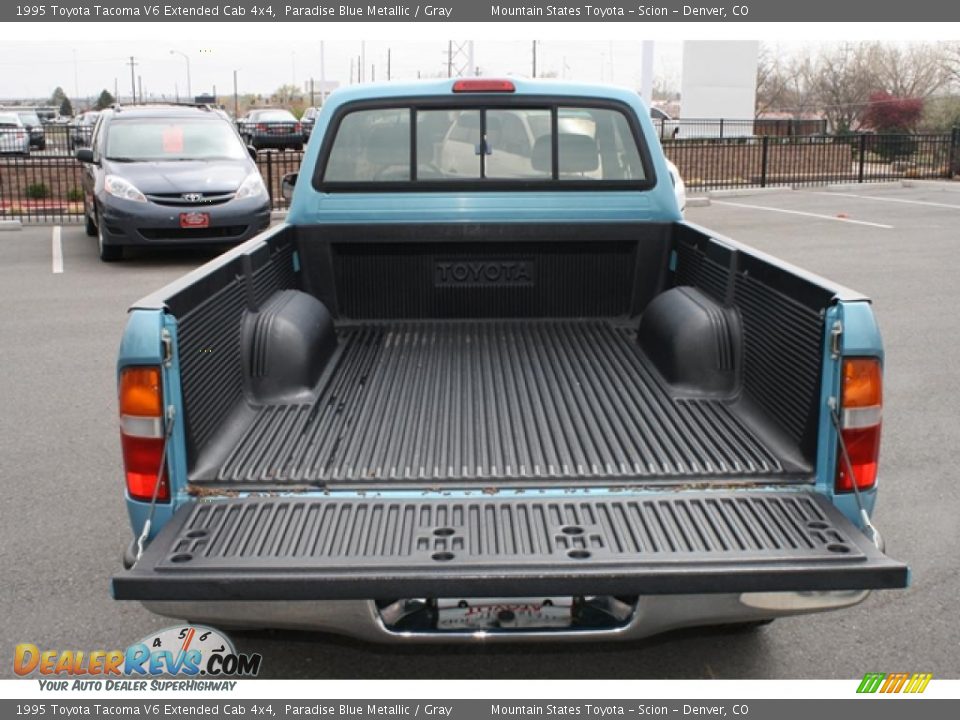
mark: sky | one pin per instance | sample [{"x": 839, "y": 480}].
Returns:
[{"x": 83, "y": 68}]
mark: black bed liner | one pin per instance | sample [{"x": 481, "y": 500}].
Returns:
[
  {"x": 289, "y": 548},
  {"x": 501, "y": 402}
]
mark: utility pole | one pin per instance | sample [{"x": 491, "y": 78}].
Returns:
[
  {"x": 186, "y": 59},
  {"x": 140, "y": 85},
  {"x": 388, "y": 64},
  {"x": 534, "y": 74},
  {"x": 133, "y": 79},
  {"x": 460, "y": 58},
  {"x": 236, "y": 99},
  {"x": 323, "y": 77},
  {"x": 373, "y": 73},
  {"x": 311, "y": 93}
]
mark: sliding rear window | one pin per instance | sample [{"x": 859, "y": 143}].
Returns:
[{"x": 431, "y": 146}]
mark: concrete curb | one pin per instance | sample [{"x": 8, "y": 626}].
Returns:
[
  {"x": 885, "y": 185},
  {"x": 746, "y": 192},
  {"x": 945, "y": 185},
  {"x": 699, "y": 201},
  {"x": 6, "y": 225}
]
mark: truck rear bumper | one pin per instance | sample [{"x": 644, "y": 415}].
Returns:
[{"x": 654, "y": 614}]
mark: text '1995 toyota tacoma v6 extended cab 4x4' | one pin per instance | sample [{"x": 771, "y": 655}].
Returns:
[{"x": 486, "y": 382}]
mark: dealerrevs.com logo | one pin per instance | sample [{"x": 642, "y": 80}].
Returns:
[{"x": 182, "y": 651}]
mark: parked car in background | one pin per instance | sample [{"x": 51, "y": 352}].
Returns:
[
  {"x": 31, "y": 121},
  {"x": 169, "y": 175},
  {"x": 14, "y": 137},
  {"x": 80, "y": 130},
  {"x": 667, "y": 127},
  {"x": 308, "y": 120},
  {"x": 271, "y": 128}
]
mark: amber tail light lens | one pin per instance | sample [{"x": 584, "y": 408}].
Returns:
[
  {"x": 141, "y": 432},
  {"x": 861, "y": 414}
]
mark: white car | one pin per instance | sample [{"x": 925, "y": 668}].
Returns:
[
  {"x": 14, "y": 137},
  {"x": 679, "y": 188}
]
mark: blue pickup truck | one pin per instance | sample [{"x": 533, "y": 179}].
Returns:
[{"x": 486, "y": 382}]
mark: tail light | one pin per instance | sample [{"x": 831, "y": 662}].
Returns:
[
  {"x": 262, "y": 127},
  {"x": 298, "y": 127},
  {"x": 861, "y": 407},
  {"x": 483, "y": 85},
  {"x": 141, "y": 432}
]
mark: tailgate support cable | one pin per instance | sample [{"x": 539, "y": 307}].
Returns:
[
  {"x": 145, "y": 533},
  {"x": 868, "y": 529}
]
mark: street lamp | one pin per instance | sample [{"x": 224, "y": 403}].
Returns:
[{"x": 187, "y": 58}]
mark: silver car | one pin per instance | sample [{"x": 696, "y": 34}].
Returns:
[{"x": 14, "y": 137}]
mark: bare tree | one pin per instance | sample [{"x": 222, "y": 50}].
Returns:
[
  {"x": 915, "y": 71},
  {"x": 771, "y": 81},
  {"x": 843, "y": 77}
]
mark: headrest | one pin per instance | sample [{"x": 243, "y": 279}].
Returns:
[
  {"x": 388, "y": 144},
  {"x": 578, "y": 153}
]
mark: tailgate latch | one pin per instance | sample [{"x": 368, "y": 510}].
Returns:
[
  {"x": 167, "y": 342},
  {"x": 836, "y": 333}
]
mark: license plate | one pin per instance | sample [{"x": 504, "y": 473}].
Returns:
[
  {"x": 194, "y": 220},
  {"x": 504, "y": 613}
]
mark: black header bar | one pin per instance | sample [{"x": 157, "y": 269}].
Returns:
[{"x": 484, "y": 11}]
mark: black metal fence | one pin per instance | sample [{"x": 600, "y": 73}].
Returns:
[
  {"x": 712, "y": 164},
  {"x": 46, "y": 185},
  {"x": 721, "y": 128}
]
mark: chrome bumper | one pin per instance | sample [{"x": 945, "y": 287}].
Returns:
[{"x": 653, "y": 614}]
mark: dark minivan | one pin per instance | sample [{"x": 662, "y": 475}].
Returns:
[{"x": 169, "y": 175}]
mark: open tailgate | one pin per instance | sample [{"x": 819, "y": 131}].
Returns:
[{"x": 309, "y": 548}]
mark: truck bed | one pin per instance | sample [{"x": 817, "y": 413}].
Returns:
[
  {"x": 334, "y": 358},
  {"x": 493, "y": 401}
]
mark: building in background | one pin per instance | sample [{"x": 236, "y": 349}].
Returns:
[{"x": 719, "y": 80}]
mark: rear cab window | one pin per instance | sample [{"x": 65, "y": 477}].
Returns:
[{"x": 430, "y": 145}]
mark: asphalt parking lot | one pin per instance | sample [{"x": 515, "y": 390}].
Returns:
[{"x": 64, "y": 523}]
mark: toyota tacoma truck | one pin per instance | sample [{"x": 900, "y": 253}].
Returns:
[{"x": 486, "y": 382}]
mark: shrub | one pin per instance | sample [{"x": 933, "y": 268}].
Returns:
[
  {"x": 38, "y": 191},
  {"x": 75, "y": 195}
]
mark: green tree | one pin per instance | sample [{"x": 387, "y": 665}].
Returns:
[
  {"x": 58, "y": 96},
  {"x": 66, "y": 107},
  {"x": 104, "y": 101},
  {"x": 286, "y": 94}
]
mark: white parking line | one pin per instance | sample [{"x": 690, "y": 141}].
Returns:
[
  {"x": 57, "y": 251},
  {"x": 886, "y": 199},
  {"x": 805, "y": 214}
]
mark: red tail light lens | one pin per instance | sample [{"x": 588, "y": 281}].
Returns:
[
  {"x": 261, "y": 126},
  {"x": 484, "y": 86},
  {"x": 861, "y": 413},
  {"x": 299, "y": 127},
  {"x": 141, "y": 460},
  {"x": 141, "y": 432}
]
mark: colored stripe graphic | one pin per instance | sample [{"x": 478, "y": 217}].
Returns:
[
  {"x": 871, "y": 682},
  {"x": 913, "y": 683}
]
